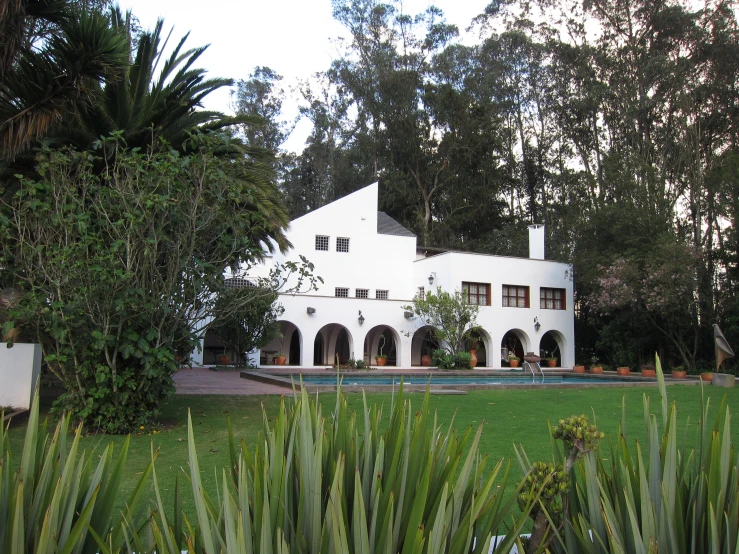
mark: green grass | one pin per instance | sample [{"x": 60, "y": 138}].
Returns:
[{"x": 511, "y": 416}]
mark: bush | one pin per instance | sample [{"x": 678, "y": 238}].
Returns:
[
  {"x": 442, "y": 359},
  {"x": 462, "y": 360}
]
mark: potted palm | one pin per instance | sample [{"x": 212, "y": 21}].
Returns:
[
  {"x": 513, "y": 360},
  {"x": 473, "y": 343},
  {"x": 381, "y": 359}
]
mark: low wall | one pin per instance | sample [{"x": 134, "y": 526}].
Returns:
[{"x": 20, "y": 366}]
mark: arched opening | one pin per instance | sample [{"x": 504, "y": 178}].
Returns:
[
  {"x": 382, "y": 340},
  {"x": 332, "y": 340},
  {"x": 479, "y": 340},
  {"x": 552, "y": 346},
  {"x": 515, "y": 342},
  {"x": 289, "y": 344},
  {"x": 423, "y": 343},
  {"x": 214, "y": 348}
]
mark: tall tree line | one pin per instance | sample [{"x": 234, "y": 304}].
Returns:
[{"x": 612, "y": 122}]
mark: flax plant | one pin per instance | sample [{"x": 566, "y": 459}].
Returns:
[
  {"x": 658, "y": 497},
  {"x": 317, "y": 484},
  {"x": 57, "y": 499}
]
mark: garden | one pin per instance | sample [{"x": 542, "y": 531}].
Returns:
[{"x": 215, "y": 458}]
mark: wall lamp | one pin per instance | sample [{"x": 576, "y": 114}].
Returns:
[
  {"x": 311, "y": 311},
  {"x": 432, "y": 276},
  {"x": 537, "y": 325},
  {"x": 360, "y": 319}
]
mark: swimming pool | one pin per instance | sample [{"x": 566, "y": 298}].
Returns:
[{"x": 440, "y": 382}]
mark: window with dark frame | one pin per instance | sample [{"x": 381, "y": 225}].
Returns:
[
  {"x": 381, "y": 294},
  {"x": 421, "y": 293},
  {"x": 342, "y": 292},
  {"x": 321, "y": 242},
  {"x": 552, "y": 299},
  {"x": 515, "y": 296},
  {"x": 342, "y": 244},
  {"x": 361, "y": 293},
  {"x": 476, "y": 293}
]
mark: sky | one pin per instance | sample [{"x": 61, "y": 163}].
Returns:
[{"x": 293, "y": 37}]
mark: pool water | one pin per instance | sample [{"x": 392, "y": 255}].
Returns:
[{"x": 350, "y": 380}]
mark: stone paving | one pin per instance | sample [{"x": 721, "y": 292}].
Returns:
[{"x": 200, "y": 380}]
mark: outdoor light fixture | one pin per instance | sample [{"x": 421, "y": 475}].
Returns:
[
  {"x": 432, "y": 277},
  {"x": 408, "y": 315},
  {"x": 537, "y": 325},
  {"x": 360, "y": 318},
  {"x": 311, "y": 311}
]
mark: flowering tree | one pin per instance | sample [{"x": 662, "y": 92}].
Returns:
[{"x": 660, "y": 286}]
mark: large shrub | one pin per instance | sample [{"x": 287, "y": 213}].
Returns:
[{"x": 118, "y": 269}]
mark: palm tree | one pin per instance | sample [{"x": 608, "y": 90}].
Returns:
[
  {"x": 144, "y": 106},
  {"x": 52, "y": 55}
]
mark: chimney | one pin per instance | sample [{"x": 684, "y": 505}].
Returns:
[{"x": 536, "y": 241}]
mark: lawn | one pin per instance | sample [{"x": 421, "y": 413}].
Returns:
[{"x": 510, "y": 416}]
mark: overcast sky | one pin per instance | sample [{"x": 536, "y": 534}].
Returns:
[{"x": 293, "y": 37}]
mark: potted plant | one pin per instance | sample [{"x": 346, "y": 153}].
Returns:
[
  {"x": 280, "y": 358},
  {"x": 679, "y": 372},
  {"x": 578, "y": 369},
  {"x": 425, "y": 358},
  {"x": 473, "y": 343},
  {"x": 623, "y": 370},
  {"x": 596, "y": 366},
  {"x": 223, "y": 358},
  {"x": 513, "y": 360},
  {"x": 647, "y": 370},
  {"x": 551, "y": 361},
  {"x": 707, "y": 376},
  {"x": 381, "y": 359}
]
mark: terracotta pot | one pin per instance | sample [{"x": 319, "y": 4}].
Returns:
[
  {"x": 552, "y": 363},
  {"x": 280, "y": 360},
  {"x": 596, "y": 369},
  {"x": 425, "y": 360},
  {"x": 648, "y": 372},
  {"x": 578, "y": 369},
  {"x": 623, "y": 371},
  {"x": 513, "y": 363},
  {"x": 707, "y": 376},
  {"x": 381, "y": 361},
  {"x": 224, "y": 360},
  {"x": 473, "y": 361},
  {"x": 679, "y": 374}
]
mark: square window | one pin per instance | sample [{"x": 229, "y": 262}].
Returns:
[
  {"x": 342, "y": 244},
  {"x": 552, "y": 299},
  {"x": 321, "y": 242},
  {"x": 476, "y": 293},
  {"x": 515, "y": 296},
  {"x": 342, "y": 292},
  {"x": 361, "y": 293},
  {"x": 381, "y": 294}
]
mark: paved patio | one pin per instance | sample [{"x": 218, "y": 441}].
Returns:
[{"x": 200, "y": 380}]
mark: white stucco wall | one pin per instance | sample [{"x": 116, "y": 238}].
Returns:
[{"x": 388, "y": 262}]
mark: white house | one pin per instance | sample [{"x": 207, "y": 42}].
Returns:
[{"x": 371, "y": 266}]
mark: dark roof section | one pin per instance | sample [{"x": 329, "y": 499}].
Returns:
[{"x": 386, "y": 225}]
